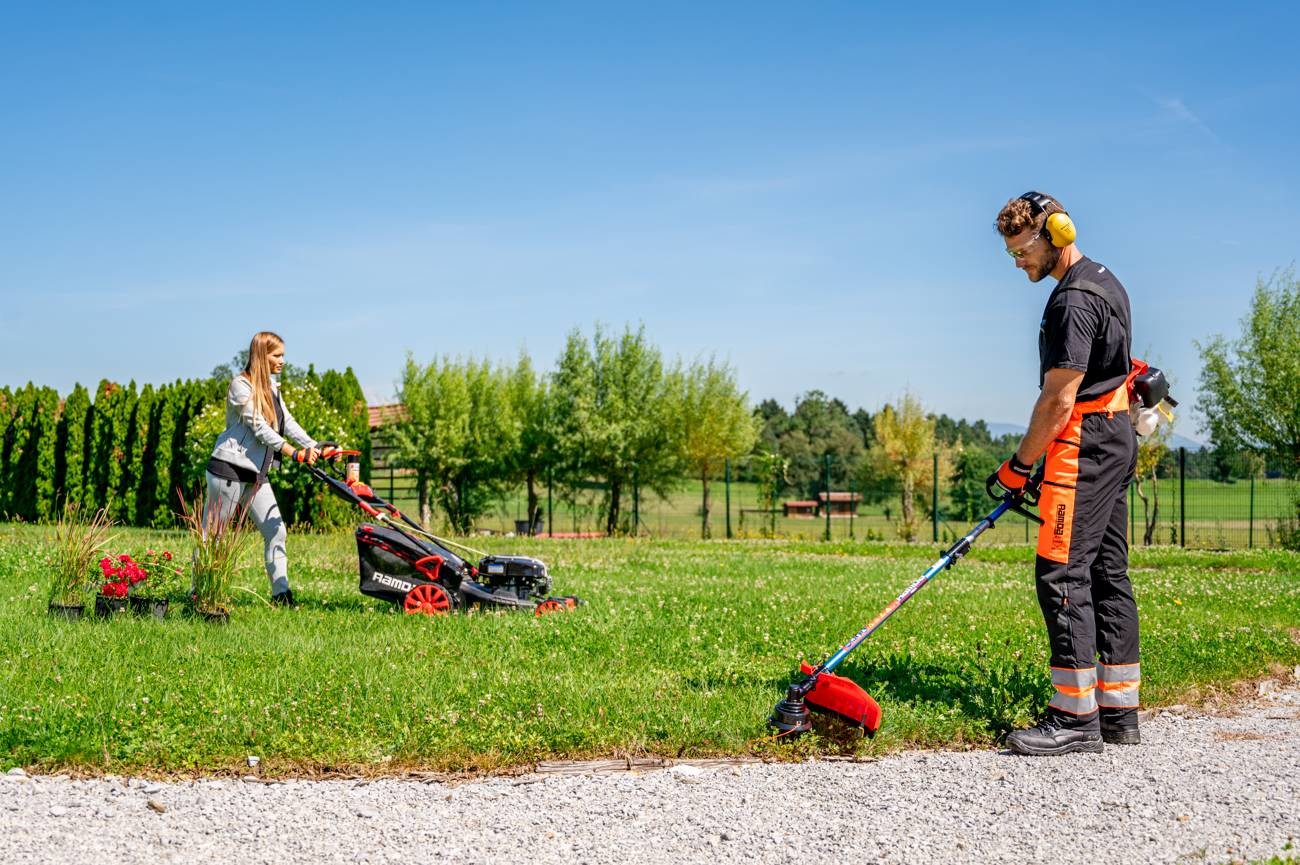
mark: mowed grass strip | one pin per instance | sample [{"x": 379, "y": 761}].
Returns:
[{"x": 682, "y": 650}]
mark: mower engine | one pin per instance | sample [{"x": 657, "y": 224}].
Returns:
[{"x": 520, "y": 576}]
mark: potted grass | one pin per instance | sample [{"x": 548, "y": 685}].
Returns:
[
  {"x": 78, "y": 540},
  {"x": 217, "y": 542}
]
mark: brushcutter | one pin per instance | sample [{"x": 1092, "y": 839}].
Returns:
[{"x": 843, "y": 698}]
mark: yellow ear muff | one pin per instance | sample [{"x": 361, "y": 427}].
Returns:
[{"x": 1060, "y": 228}]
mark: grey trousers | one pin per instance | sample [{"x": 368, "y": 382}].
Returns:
[{"x": 259, "y": 499}]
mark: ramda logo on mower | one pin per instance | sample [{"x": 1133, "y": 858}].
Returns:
[{"x": 392, "y": 582}]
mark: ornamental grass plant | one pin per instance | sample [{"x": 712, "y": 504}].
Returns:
[
  {"x": 218, "y": 542},
  {"x": 78, "y": 541}
]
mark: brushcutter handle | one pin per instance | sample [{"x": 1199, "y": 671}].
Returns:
[{"x": 1028, "y": 496}]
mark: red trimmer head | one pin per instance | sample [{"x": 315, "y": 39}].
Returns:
[{"x": 844, "y": 698}]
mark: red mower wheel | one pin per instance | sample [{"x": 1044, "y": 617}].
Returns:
[
  {"x": 429, "y": 599},
  {"x": 550, "y": 605}
]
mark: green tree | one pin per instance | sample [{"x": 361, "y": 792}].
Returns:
[
  {"x": 133, "y": 449},
  {"x": 45, "y": 445},
  {"x": 714, "y": 424},
  {"x": 971, "y": 469},
  {"x": 612, "y": 415},
  {"x": 1250, "y": 387},
  {"x": 819, "y": 425},
  {"x": 344, "y": 393},
  {"x": 904, "y": 451},
  {"x": 769, "y": 470},
  {"x": 1152, "y": 452},
  {"x": 155, "y": 483},
  {"x": 529, "y": 397},
  {"x": 70, "y": 449},
  {"x": 458, "y": 435},
  {"x": 14, "y": 494}
]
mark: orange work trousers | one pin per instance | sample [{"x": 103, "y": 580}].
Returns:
[{"x": 1082, "y": 563}]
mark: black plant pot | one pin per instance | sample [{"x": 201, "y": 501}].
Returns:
[
  {"x": 156, "y": 607},
  {"x": 107, "y": 607},
  {"x": 71, "y": 612},
  {"x": 216, "y": 617}
]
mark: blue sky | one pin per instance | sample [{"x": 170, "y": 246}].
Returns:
[{"x": 804, "y": 190}]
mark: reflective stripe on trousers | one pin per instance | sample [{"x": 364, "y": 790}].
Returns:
[
  {"x": 1117, "y": 685},
  {"x": 1076, "y": 690}
]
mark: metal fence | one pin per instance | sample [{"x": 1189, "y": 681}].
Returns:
[{"x": 1197, "y": 500}]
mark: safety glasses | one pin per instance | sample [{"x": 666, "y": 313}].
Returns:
[{"x": 1019, "y": 252}]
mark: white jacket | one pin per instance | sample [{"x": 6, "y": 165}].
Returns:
[{"x": 248, "y": 436}]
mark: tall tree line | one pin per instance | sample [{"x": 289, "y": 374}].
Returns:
[
  {"x": 612, "y": 420},
  {"x": 126, "y": 449}
]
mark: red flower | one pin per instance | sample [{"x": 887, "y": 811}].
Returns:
[
  {"x": 167, "y": 555},
  {"x": 114, "y": 590}
]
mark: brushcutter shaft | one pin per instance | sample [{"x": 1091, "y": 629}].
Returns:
[{"x": 947, "y": 560}]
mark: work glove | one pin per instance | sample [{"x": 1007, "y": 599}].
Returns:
[
  {"x": 1010, "y": 478},
  {"x": 306, "y": 455},
  {"x": 329, "y": 450}
]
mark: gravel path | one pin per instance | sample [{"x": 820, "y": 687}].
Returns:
[{"x": 1199, "y": 789}]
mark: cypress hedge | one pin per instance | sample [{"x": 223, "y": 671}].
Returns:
[{"x": 129, "y": 449}]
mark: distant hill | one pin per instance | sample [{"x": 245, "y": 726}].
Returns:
[{"x": 1175, "y": 441}]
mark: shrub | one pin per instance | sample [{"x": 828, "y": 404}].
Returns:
[
  {"x": 78, "y": 541},
  {"x": 217, "y": 545}
]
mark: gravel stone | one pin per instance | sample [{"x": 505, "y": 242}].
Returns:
[{"x": 1200, "y": 788}]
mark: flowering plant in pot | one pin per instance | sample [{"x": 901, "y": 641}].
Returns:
[
  {"x": 218, "y": 540},
  {"x": 164, "y": 580},
  {"x": 118, "y": 578},
  {"x": 78, "y": 538}
]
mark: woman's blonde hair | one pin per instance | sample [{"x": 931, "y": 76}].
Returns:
[{"x": 258, "y": 372}]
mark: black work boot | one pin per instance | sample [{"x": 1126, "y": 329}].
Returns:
[
  {"x": 1053, "y": 737},
  {"x": 1120, "y": 727},
  {"x": 285, "y": 599}
]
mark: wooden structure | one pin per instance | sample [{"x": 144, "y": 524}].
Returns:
[
  {"x": 840, "y": 504},
  {"x": 799, "y": 509}
]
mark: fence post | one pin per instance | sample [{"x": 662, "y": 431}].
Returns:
[
  {"x": 636, "y": 505},
  {"x": 826, "y": 468},
  {"x": 1182, "y": 496},
  {"x": 1250, "y": 534},
  {"x": 934, "y": 500},
  {"x": 727, "y": 486},
  {"x": 853, "y": 506},
  {"x": 550, "y": 511}
]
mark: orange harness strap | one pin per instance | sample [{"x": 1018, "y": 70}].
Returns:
[{"x": 1118, "y": 399}]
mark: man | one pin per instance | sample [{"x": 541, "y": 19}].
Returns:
[{"x": 1081, "y": 422}]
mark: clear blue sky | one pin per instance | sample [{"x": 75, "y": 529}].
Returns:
[{"x": 804, "y": 190}]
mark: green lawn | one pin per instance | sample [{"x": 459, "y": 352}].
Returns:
[{"x": 683, "y": 649}]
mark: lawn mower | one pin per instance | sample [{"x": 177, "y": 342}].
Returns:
[
  {"x": 845, "y": 699},
  {"x": 403, "y": 563}
]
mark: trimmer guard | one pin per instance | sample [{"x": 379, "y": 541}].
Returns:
[{"x": 844, "y": 698}]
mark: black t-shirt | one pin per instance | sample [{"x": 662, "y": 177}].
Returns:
[{"x": 1087, "y": 326}]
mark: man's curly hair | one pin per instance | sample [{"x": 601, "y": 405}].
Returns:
[{"x": 1017, "y": 215}]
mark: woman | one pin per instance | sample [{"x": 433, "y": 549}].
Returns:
[{"x": 257, "y": 422}]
